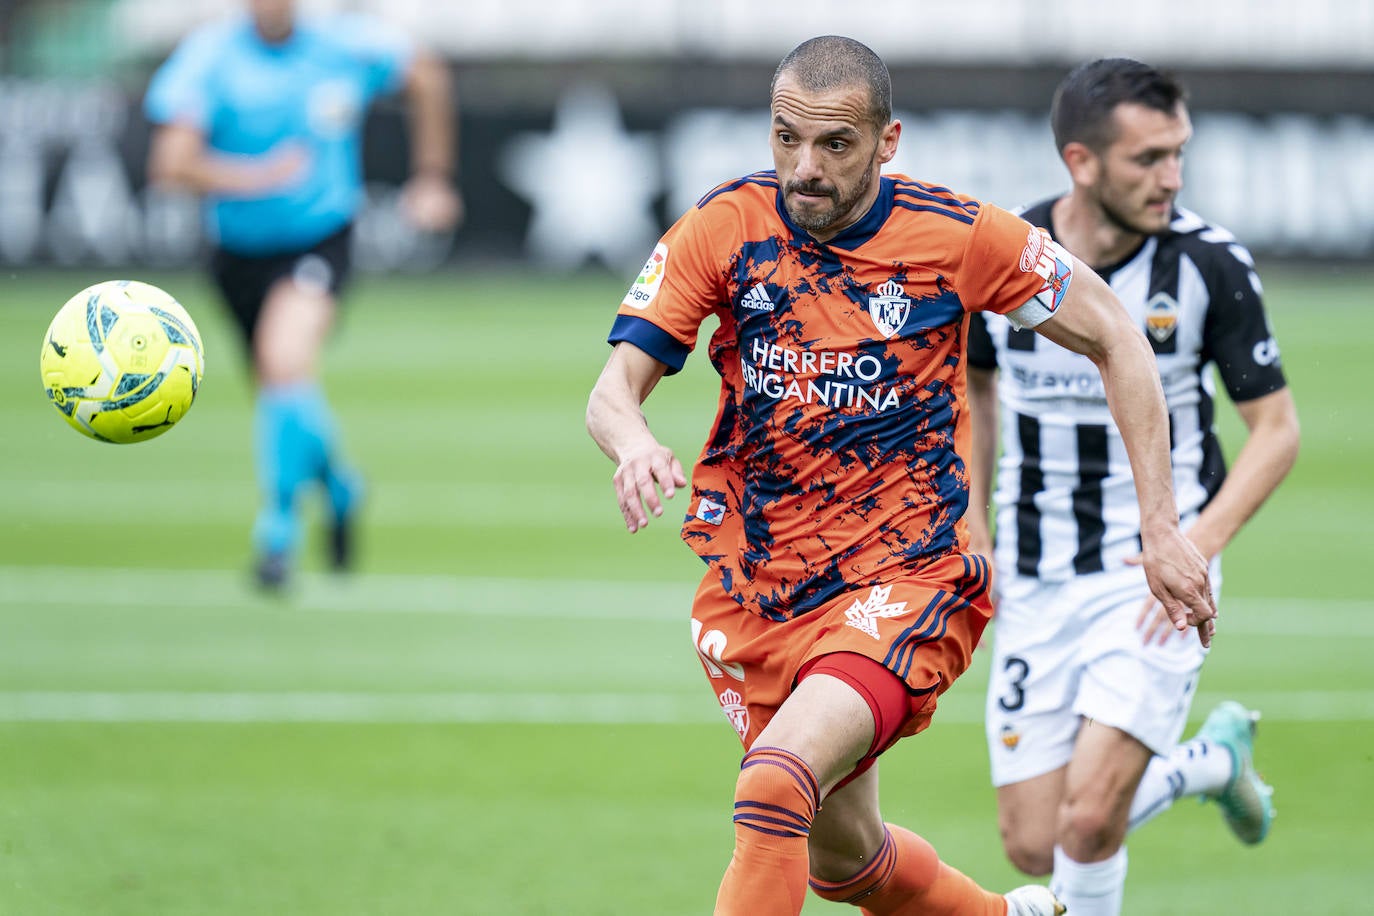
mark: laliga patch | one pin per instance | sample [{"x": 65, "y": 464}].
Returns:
[
  {"x": 1054, "y": 267},
  {"x": 1161, "y": 316},
  {"x": 710, "y": 512},
  {"x": 646, "y": 285}
]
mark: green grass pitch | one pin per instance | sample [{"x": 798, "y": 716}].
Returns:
[{"x": 502, "y": 712}]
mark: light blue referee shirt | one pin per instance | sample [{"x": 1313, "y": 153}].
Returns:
[{"x": 310, "y": 91}]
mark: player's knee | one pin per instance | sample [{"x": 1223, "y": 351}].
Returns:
[
  {"x": 837, "y": 856},
  {"x": 1032, "y": 855},
  {"x": 1088, "y": 830},
  {"x": 1028, "y": 835},
  {"x": 282, "y": 363},
  {"x": 776, "y": 794}
]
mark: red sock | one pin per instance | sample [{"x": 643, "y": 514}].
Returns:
[
  {"x": 775, "y": 802},
  {"x": 905, "y": 877}
]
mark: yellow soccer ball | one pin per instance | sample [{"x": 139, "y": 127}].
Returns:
[{"x": 122, "y": 361}]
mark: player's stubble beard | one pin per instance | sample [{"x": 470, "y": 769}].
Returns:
[
  {"x": 1118, "y": 218},
  {"x": 840, "y": 206}
]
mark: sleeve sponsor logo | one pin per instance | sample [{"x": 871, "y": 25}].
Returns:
[
  {"x": 1035, "y": 246},
  {"x": 646, "y": 285},
  {"x": 1266, "y": 352}
]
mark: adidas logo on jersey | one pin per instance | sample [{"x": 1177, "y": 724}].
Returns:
[{"x": 757, "y": 299}]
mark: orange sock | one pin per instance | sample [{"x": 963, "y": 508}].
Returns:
[
  {"x": 905, "y": 877},
  {"x": 775, "y": 802}
]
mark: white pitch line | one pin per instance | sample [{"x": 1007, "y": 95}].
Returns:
[
  {"x": 352, "y": 707},
  {"x": 40, "y": 586},
  {"x": 963, "y": 708},
  {"x": 364, "y": 593},
  {"x": 395, "y": 503}
]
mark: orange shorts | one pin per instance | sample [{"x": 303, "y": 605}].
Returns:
[{"x": 922, "y": 628}]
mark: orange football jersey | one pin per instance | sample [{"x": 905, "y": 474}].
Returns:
[{"x": 835, "y": 459}]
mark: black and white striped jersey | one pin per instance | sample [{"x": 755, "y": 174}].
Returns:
[{"x": 1065, "y": 501}]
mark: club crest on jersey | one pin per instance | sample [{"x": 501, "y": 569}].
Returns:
[
  {"x": 1161, "y": 316},
  {"x": 334, "y": 108},
  {"x": 1010, "y": 737},
  {"x": 890, "y": 308},
  {"x": 710, "y": 512},
  {"x": 732, "y": 704}
]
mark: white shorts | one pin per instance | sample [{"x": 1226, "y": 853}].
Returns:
[{"x": 1067, "y": 651}]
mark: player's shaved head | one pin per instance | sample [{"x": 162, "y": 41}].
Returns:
[
  {"x": 1085, "y": 101},
  {"x": 835, "y": 62}
]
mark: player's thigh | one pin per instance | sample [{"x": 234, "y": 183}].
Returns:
[
  {"x": 1027, "y": 814},
  {"x": 1106, "y": 762},
  {"x": 291, "y": 330},
  {"x": 299, "y": 303},
  {"x": 826, "y": 723}
]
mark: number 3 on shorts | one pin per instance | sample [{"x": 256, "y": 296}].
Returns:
[{"x": 1017, "y": 669}]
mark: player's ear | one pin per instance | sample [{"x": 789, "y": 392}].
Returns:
[
  {"x": 887, "y": 140},
  {"x": 1083, "y": 164}
]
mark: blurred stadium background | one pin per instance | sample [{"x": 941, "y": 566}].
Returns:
[{"x": 502, "y": 712}]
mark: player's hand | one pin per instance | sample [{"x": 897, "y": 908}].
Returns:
[
  {"x": 638, "y": 479},
  {"x": 431, "y": 203},
  {"x": 1154, "y": 625},
  {"x": 1177, "y": 573},
  {"x": 279, "y": 168}
]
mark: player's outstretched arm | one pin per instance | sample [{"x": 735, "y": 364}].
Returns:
[
  {"x": 1092, "y": 321},
  {"x": 617, "y": 424}
]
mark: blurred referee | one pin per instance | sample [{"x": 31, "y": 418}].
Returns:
[{"x": 262, "y": 114}]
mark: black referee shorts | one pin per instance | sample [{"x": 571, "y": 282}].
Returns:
[{"x": 244, "y": 280}]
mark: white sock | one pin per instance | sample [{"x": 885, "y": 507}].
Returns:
[
  {"x": 1195, "y": 768},
  {"x": 1093, "y": 889}
]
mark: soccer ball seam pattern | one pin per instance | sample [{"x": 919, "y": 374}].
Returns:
[{"x": 122, "y": 361}]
